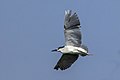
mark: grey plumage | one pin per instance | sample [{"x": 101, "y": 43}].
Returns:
[{"x": 72, "y": 29}]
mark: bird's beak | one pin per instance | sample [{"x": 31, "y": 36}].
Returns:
[{"x": 54, "y": 50}]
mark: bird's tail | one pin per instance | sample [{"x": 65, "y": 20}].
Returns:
[{"x": 89, "y": 54}]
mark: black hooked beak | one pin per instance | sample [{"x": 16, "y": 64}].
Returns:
[{"x": 54, "y": 50}]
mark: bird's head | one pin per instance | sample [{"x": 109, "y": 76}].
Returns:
[
  {"x": 58, "y": 49},
  {"x": 54, "y": 50}
]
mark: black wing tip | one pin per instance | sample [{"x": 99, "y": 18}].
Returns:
[{"x": 57, "y": 67}]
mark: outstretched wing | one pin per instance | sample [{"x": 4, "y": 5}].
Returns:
[
  {"x": 66, "y": 61},
  {"x": 72, "y": 29}
]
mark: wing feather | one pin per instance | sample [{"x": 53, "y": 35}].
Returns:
[
  {"x": 66, "y": 61},
  {"x": 72, "y": 29}
]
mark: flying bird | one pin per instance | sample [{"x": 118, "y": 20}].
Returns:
[{"x": 73, "y": 45}]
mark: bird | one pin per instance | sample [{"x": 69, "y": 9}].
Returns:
[{"x": 73, "y": 47}]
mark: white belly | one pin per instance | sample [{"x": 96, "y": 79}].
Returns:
[{"x": 73, "y": 50}]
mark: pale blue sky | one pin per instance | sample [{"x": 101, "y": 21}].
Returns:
[{"x": 30, "y": 29}]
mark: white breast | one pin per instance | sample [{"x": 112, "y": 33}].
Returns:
[{"x": 72, "y": 49}]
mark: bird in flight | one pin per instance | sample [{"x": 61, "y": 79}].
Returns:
[{"x": 73, "y": 44}]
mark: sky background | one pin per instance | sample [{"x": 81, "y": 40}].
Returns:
[{"x": 30, "y": 29}]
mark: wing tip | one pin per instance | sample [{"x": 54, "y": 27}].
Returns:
[
  {"x": 68, "y": 12},
  {"x": 71, "y": 20},
  {"x": 56, "y": 67}
]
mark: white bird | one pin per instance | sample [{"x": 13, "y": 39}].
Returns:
[{"x": 73, "y": 45}]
